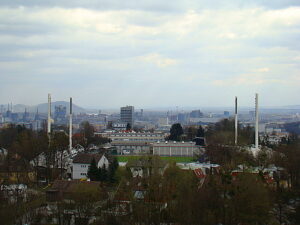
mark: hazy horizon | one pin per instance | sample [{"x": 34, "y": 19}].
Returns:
[{"x": 165, "y": 108}]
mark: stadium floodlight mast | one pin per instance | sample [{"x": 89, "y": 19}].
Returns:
[
  {"x": 70, "y": 124},
  {"x": 236, "y": 122},
  {"x": 49, "y": 115},
  {"x": 256, "y": 121}
]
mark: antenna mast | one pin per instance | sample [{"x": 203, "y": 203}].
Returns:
[
  {"x": 70, "y": 125},
  {"x": 236, "y": 122},
  {"x": 256, "y": 121},
  {"x": 49, "y": 116}
]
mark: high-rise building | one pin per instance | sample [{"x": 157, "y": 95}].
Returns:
[
  {"x": 60, "y": 113},
  {"x": 127, "y": 115},
  {"x": 196, "y": 114}
]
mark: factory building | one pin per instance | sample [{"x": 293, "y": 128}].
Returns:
[
  {"x": 137, "y": 137},
  {"x": 131, "y": 148}
]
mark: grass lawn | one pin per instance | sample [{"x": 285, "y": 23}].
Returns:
[{"x": 183, "y": 159}]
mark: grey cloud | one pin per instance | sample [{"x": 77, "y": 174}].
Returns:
[
  {"x": 151, "y": 5},
  {"x": 91, "y": 65},
  {"x": 25, "y": 29}
]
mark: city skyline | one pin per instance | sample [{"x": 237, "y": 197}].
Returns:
[
  {"x": 42, "y": 108},
  {"x": 151, "y": 53}
]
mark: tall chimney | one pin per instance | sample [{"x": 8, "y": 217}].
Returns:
[
  {"x": 49, "y": 115},
  {"x": 168, "y": 118},
  {"x": 236, "y": 122},
  {"x": 70, "y": 125},
  {"x": 256, "y": 121}
]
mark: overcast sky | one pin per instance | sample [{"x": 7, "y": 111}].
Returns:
[{"x": 148, "y": 53}]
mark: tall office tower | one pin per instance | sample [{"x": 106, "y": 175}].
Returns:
[
  {"x": 60, "y": 113},
  {"x": 127, "y": 115}
]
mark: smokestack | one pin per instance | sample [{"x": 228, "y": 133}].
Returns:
[
  {"x": 70, "y": 125},
  {"x": 49, "y": 115},
  {"x": 236, "y": 122},
  {"x": 256, "y": 121}
]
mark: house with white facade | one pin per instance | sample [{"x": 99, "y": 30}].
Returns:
[{"x": 82, "y": 162}]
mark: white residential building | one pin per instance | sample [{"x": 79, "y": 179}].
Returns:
[{"x": 82, "y": 162}]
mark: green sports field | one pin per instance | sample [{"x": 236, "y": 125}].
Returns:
[{"x": 183, "y": 159}]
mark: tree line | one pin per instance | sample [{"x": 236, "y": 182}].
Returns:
[{"x": 24, "y": 145}]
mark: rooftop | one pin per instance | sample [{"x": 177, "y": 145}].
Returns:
[
  {"x": 86, "y": 158},
  {"x": 70, "y": 186}
]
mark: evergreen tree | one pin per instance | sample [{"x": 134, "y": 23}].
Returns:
[
  {"x": 113, "y": 166},
  {"x": 93, "y": 172},
  {"x": 128, "y": 127},
  {"x": 103, "y": 173},
  {"x": 200, "y": 132},
  {"x": 115, "y": 163},
  {"x": 175, "y": 132}
]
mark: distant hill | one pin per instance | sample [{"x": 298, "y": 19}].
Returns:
[
  {"x": 43, "y": 108},
  {"x": 292, "y": 107},
  {"x": 76, "y": 109}
]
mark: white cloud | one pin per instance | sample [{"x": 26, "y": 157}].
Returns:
[
  {"x": 158, "y": 60},
  {"x": 262, "y": 70}
]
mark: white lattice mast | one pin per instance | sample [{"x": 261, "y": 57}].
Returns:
[
  {"x": 235, "y": 122},
  {"x": 49, "y": 115},
  {"x": 256, "y": 121},
  {"x": 70, "y": 124}
]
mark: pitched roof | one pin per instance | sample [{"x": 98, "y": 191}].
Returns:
[
  {"x": 86, "y": 158},
  {"x": 70, "y": 186}
]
